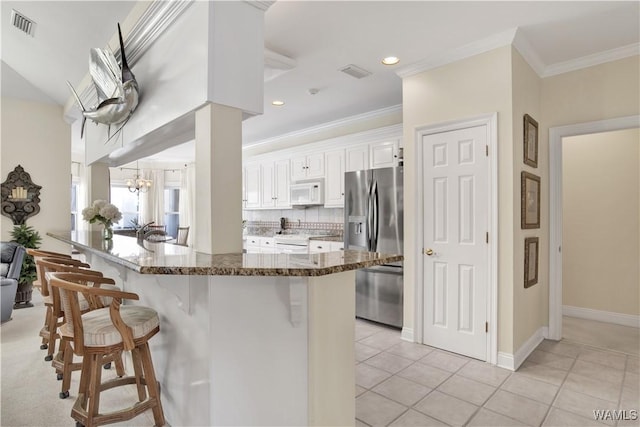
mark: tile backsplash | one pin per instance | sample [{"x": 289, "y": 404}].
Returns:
[
  {"x": 312, "y": 220},
  {"x": 310, "y": 214}
]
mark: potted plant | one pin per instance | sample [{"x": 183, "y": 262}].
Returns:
[{"x": 29, "y": 238}]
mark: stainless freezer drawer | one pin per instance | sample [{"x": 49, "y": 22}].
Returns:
[{"x": 379, "y": 295}]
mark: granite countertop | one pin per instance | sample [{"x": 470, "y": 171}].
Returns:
[{"x": 166, "y": 258}]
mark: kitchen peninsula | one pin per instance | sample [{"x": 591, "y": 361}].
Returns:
[{"x": 245, "y": 339}]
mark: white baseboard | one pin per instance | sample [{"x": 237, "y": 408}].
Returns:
[
  {"x": 407, "y": 334},
  {"x": 505, "y": 360},
  {"x": 601, "y": 316},
  {"x": 513, "y": 361}
]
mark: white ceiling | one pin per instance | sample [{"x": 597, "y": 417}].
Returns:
[{"x": 322, "y": 37}]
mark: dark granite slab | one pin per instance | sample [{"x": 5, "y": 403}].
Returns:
[{"x": 166, "y": 258}]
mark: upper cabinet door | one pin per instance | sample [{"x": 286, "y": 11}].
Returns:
[
  {"x": 334, "y": 188},
  {"x": 268, "y": 185},
  {"x": 357, "y": 158},
  {"x": 383, "y": 154},
  {"x": 282, "y": 184},
  {"x": 315, "y": 165},
  {"x": 252, "y": 185},
  {"x": 306, "y": 167},
  {"x": 298, "y": 168}
]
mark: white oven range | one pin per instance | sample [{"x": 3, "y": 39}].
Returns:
[{"x": 292, "y": 243}]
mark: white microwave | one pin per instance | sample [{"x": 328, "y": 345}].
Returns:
[{"x": 307, "y": 193}]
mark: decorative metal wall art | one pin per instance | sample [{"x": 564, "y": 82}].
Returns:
[
  {"x": 20, "y": 196},
  {"x": 116, "y": 86}
]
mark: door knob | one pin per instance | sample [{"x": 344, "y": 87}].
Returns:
[{"x": 428, "y": 252}]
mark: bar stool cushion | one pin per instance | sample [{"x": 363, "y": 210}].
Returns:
[{"x": 99, "y": 331}]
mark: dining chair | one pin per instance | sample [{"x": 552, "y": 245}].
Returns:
[{"x": 183, "y": 234}]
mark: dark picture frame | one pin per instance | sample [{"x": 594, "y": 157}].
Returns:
[
  {"x": 530, "y": 141},
  {"x": 530, "y": 200},
  {"x": 531, "y": 252}
]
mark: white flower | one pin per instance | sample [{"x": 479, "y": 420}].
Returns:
[
  {"x": 99, "y": 204},
  {"x": 88, "y": 213},
  {"x": 102, "y": 211}
]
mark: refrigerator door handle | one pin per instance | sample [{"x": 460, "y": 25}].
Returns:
[
  {"x": 375, "y": 217},
  {"x": 369, "y": 219}
]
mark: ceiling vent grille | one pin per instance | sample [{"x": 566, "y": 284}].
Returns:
[
  {"x": 355, "y": 71},
  {"x": 22, "y": 23}
]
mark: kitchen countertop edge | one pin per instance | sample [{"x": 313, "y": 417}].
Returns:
[{"x": 234, "y": 264}]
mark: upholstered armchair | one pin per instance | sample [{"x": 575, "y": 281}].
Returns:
[{"x": 11, "y": 256}]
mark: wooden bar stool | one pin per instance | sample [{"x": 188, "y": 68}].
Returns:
[
  {"x": 38, "y": 253},
  {"x": 101, "y": 332},
  {"x": 63, "y": 360},
  {"x": 53, "y": 315}
]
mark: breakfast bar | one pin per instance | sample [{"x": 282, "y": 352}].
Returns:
[{"x": 245, "y": 339}]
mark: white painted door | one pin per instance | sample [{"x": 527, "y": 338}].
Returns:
[{"x": 456, "y": 252}]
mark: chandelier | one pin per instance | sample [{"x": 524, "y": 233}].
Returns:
[{"x": 138, "y": 184}]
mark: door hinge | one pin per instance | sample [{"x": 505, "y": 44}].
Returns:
[
  {"x": 486, "y": 327},
  {"x": 487, "y": 237},
  {"x": 486, "y": 150}
]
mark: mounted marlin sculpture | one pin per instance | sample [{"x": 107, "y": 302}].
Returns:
[{"x": 117, "y": 89}]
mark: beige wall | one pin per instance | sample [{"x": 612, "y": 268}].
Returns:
[
  {"x": 500, "y": 80},
  {"x": 605, "y": 91},
  {"x": 530, "y": 305},
  {"x": 35, "y": 136},
  {"x": 473, "y": 86},
  {"x": 601, "y": 227}
]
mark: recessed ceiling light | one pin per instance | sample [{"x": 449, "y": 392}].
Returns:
[
  {"x": 277, "y": 103},
  {"x": 390, "y": 60}
]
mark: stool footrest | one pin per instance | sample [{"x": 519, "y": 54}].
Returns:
[{"x": 79, "y": 414}]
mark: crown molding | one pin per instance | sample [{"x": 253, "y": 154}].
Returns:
[
  {"x": 480, "y": 46},
  {"x": 517, "y": 38},
  {"x": 328, "y": 126},
  {"x": 591, "y": 60},
  {"x": 363, "y": 137},
  {"x": 522, "y": 45},
  {"x": 262, "y": 5}
]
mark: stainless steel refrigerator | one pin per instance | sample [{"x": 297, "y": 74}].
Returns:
[{"x": 374, "y": 222}]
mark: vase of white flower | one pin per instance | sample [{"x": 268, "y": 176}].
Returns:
[{"x": 105, "y": 213}]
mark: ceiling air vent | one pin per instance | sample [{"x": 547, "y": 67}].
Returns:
[
  {"x": 22, "y": 23},
  {"x": 355, "y": 71}
]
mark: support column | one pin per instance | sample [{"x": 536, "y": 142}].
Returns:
[
  {"x": 218, "y": 205},
  {"x": 98, "y": 186}
]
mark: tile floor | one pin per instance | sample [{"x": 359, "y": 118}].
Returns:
[{"x": 561, "y": 383}]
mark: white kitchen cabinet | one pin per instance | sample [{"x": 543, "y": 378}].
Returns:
[
  {"x": 336, "y": 246},
  {"x": 282, "y": 184},
  {"x": 357, "y": 158},
  {"x": 251, "y": 187},
  {"x": 383, "y": 154},
  {"x": 334, "y": 179},
  {"x": 252, "y": 244},
  {"x": 319, "y": 246},
  {"x": 267, "y": 245},
  {"x": 260, "y": 244},
  {"x": 307, "y": 167},
  {"x": 275, "y": 184}
]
